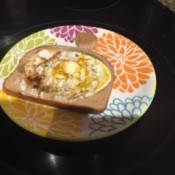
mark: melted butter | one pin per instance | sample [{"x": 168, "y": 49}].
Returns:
[
  {"x": 86, "y": 74},
  {"x": 65, "y": 68}
]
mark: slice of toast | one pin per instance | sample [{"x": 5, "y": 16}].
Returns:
[{"x": 93, "y": 103}]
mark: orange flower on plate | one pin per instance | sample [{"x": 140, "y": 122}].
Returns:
[{"x": 132, "y": 66}]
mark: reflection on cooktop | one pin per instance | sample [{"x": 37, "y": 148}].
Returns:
[{"x": 89, "y": 5}]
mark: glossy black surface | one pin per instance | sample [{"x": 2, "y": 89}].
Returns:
[{"x": 145, "y": 148}]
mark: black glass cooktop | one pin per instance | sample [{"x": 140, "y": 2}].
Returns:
[{"x": 146, "y": 147}]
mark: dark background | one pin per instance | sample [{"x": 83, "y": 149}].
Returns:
[{"x": 147, "y": 147}]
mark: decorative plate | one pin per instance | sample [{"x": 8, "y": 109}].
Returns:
[{"x": 132, "y": 93}]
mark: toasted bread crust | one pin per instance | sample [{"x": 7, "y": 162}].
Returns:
[{"x": 95, "y": 103}]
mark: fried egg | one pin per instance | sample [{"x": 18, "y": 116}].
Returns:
[{"x": 67, "y": 74}]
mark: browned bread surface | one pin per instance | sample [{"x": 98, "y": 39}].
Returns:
[{"x": 95, "y": 103}]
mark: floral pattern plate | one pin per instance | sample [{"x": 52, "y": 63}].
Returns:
[{"x": 132, "y": 93}]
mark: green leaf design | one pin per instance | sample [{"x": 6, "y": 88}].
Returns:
[{"x": 11, "y": 59}]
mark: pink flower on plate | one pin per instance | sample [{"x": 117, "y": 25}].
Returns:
[{"x": 69, "y": 32}]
